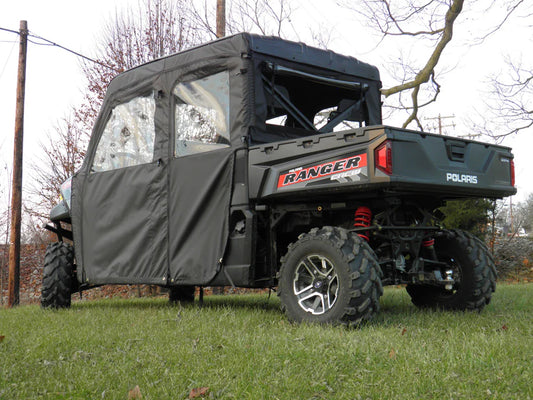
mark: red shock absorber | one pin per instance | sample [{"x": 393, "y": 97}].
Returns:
[
  {"x": 429, "y": 246},
  {"x": 428, "y": 242},
  {"x": 362, "y": 219}
]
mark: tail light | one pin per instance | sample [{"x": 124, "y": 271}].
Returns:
[
  {"x": 512, "y": 173},
  {"x": 383, "y": 157}
]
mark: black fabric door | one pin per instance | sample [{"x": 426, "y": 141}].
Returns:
[
  {"x": 199, "y": 201},
  {"x": 120, "y": 199},
  {"x": 200, "y": 178},
  {"x": 124, "y": 225}
]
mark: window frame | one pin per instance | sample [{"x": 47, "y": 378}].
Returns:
[
  {"x": 226, "y": 139},
  {"x": 151, "y": 95}
]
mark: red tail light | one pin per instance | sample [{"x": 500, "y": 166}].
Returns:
[
  {"x": 383, "y": 157},
  {"x": 512, "y": 173}
]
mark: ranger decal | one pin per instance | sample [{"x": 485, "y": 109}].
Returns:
[{"x": 336, "y": 167}]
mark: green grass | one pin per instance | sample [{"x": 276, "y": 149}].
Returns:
[{"x": 242, "y": 347}]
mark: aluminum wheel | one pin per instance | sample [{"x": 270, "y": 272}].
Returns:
[
  {"x": 329, "y": 276},
  {"x": 316, "y": 284}
]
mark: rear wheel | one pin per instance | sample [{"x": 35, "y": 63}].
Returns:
[
  {"x": 473, "y": 271},
  {"x": 182, "y": 294},
  {"x": 330, "y": 276},
  {"x": 58, "y": 276}
]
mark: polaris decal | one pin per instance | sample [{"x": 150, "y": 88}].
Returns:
[
  {"x": 340, "y": 170},
  {"x": 461, "y": 178}
]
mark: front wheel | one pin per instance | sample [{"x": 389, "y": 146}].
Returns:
[
  {"x": 330, "y": 276},
  {"x": 472, "y": 269},
  {"x": 58, "y": 276}
]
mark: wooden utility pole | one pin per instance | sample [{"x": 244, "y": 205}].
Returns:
[
  {"x": 440, "y": 118},
  {"x": 221, "y": 18},
  {"x": 16, "y": 191}
]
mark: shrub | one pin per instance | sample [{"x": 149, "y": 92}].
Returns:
[{"x": 513, "y": 257}]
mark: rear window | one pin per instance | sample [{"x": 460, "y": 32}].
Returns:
[{"x": 301, "y": 103}]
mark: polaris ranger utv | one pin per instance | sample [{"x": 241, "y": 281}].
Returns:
[{"x": 257, "y": 162}]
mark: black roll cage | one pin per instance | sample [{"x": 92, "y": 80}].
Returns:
[{"x": 292, "y": 109}]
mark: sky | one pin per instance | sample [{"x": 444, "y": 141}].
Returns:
[{"x": 54, "y": 81}]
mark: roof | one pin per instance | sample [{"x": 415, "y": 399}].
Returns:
[
  {"x": 248, "y": 43},
  {"x": 302, "y": 53}
]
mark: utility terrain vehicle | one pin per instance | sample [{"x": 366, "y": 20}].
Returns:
[{"x": 257, "y": 162}]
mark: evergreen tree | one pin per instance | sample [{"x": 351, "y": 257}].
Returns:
[{"x": 471, "y": 215}]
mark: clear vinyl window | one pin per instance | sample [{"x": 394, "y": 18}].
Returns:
[
  {"x": 128, "y": 137},
  {"x": 202, "y": 114}
]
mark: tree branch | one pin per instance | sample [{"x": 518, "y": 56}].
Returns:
[{"x": 424, "y": 74}]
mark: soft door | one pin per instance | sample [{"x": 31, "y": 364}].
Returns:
[{"x": 123, "y": 205}]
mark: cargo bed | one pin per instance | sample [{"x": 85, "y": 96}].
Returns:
[{"x": 362, "y": 162}]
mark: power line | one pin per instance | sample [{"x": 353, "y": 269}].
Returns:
[
  {"x": 54, "y": 44},
  {"x": 50, "y": 43},
  {"x": 9, "y": 30}
]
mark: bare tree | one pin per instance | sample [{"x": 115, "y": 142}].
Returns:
[
  {"x": 510, "y": 105},
  {"x": 266, "y": 17},
  {"x": 524, "y": 215},
  {"x": 61, "y": 155},
  {"x": 157, "y": 28},
  {"x": 135, "y": 36},
  {"x": 430, "y": 24},
  {"x": 429, "y": 21},
  {"x": 5, "y": 196}
]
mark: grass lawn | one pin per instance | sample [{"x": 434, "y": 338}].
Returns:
[{"x": 242, "y": 347}]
